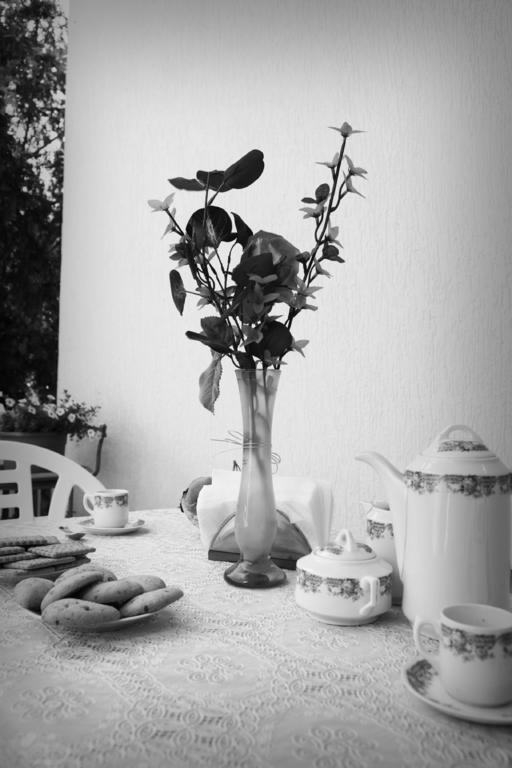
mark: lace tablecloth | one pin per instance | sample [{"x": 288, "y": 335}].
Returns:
[{"x": 225, "y": 677}]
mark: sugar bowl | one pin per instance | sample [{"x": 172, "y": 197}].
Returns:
[{"x": 344, "y": 582}]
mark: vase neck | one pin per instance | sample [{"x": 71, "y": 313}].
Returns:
[{"x": 258, "y": 390}]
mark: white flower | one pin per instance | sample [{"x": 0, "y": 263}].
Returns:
[
  {"x": 10, "y": 403},
  {"x": 353, "y": 170},
  {"x": 332, "y": 235},
  {"x": 350, "y": 186},
  {"x": 310, "y": 213},
  {"x": 60, "y": 411},
  {"x": 346, "y": 130},
  {"x": 333, "y": 163},
  {"x": 161, "y": 205},
  {"x": 71, "y": 417},
  {"x": 31, "y": 409}
]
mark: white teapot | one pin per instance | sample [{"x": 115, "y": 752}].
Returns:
[
  {"x": 451, "y": 521},
  {"x": 344, "y": 582}
]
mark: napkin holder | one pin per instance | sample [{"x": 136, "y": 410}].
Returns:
[
  {"x": 304, "y": 509},
  {"x": 289, "y": 544}
]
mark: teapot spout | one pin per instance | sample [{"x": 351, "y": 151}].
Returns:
[{"x": 395, "y": 492}]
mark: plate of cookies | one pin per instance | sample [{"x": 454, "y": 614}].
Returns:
[
  {"x": 92, "y": 598},
  {"x": 22, "y": 556}
]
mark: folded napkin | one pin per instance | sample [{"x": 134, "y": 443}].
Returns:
[{"x": 304, "y": 510}]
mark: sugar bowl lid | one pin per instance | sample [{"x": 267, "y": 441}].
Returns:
[{"x": 346, "y": 549}]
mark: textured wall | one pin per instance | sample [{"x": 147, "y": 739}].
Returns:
[{"x": 412, "y": 333}]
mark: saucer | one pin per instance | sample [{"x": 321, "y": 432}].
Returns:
[
  {"x": 135, "y": 525},
  {"x": 422, "y": 680}
]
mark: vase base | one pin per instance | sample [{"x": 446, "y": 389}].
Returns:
[{"x": 261, "y": 574}]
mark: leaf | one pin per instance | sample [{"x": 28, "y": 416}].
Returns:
[
  {"x": 309, "y": 200},
  {"x": 218, "y": 330},
  {"x": 245, "y": 171},
  {"x": 322, "y": 192},
  {"x": 191, "y": 185},
  {"x": 211, "y": 229},
  {"x": 330, "y": 252},
  {"x": 178, "y": 291},
  {"x": 243, "y": 232},
  {"x": 211, "y": 179},
  {"x": 209, "y": 383},
  {"x": 203, "y": 338}
]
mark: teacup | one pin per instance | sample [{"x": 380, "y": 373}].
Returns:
[
  {"x": 474, "y": 660},
  {"x": 109, "y": 508}
]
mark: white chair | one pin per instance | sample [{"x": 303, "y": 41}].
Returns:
[{"x": 16, "y": 488}]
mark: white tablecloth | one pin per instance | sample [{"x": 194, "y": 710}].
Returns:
[{"x": 225, "y": 677}]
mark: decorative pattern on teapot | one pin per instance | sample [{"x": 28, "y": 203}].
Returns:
[
  {"x": 468, "y": 485},
  {"x": 461, "y": 445}
]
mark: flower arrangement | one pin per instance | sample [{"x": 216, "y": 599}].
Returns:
[
  {"x": 42, "y": 412},
  {"x": 256, "y": 299}
]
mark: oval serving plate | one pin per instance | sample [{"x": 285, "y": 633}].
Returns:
[
  {"x": 106, "y": 626},
  {"x": 119, "y": 624}
]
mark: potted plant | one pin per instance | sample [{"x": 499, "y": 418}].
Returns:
[
  {"x": 41, "y": 419},
  {"x": 254, "y": 284}
]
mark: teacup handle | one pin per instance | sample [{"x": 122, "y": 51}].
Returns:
[
  {"x": 88, "y": 499},
  {"x": 433, "y": 656},
  {"x": 372, "y": 583}
]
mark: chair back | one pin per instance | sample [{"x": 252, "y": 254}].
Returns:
[{"x": 17, "y": 461}]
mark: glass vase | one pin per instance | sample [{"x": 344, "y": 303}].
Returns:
[{"x": 256, "y": 517}]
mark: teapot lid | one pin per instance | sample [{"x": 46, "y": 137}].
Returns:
[
  {"x": 444, "y": 442},
  {"x": 346, "y": 548},
  {"x": 449, "y": 453}
]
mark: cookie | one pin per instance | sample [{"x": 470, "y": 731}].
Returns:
[
  {"x": 39, "y": 562},
  {"x": 72, "y": 613},
  {"x": 112, "y": 592},
  {"x": 30, "y": 592},
  {"x": 70, "y": 586},
  {"x": 149, "y": 602},
  {"x": 148, "y": 582},
  {"x": 10, "y": 550},
  {"x": 108, "y": 575},
  {"x": 4, "y": 559},
  {"x": 27, "y": 541},
  {"x": 62, "y": 550}
]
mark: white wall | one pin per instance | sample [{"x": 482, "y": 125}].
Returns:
[{"x": 412, "y": 333}]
